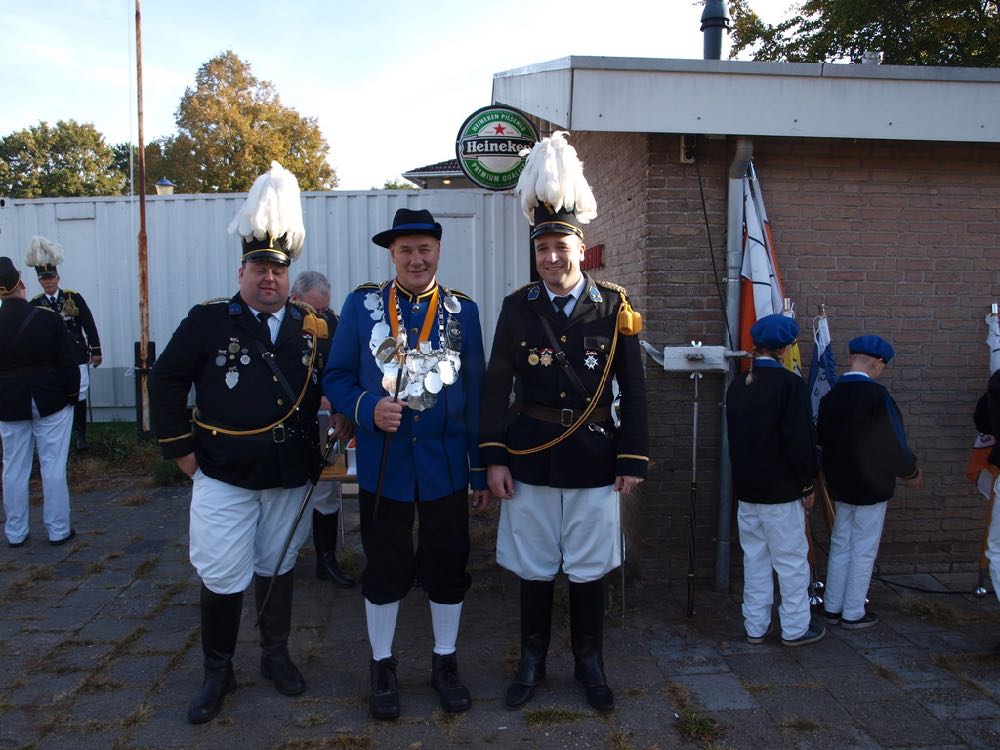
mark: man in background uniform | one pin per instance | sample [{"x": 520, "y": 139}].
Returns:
[
  {"x": 313, "y": 288},
  {"x": 45, "y": 255},
  {"x": 425, "y": 338},
  {"x": 39, "y": 383},
  {"x": 251, "y": 448},
  {"x": 555, "y": 457},
  {"x": 864, "y": 450}
]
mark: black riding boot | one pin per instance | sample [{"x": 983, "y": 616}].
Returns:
[
  {"x": 536, "y": 629},
  {"x": 275, "y": 625},
  {"x": 220, "y": 626},
  {"x": 586, "y": 624},
  {"x": 325, "y": 529},
  {"x": 80, "y": 425}
]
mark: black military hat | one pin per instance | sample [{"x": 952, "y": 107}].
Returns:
[
  {"x": 270, "y": 249},
  {"x": 44, "y": 256},
  {"x": 409, "y": 222},
  {"x": 9, "y": 276},
  {"x": 547, "y": 221}
]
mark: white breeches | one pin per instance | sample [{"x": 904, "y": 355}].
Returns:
[
  {"x": 545, "y": 528},
  {"x": 853, "y": 548},
  {"x": 993, "y": 541},
  {"x": 236, "y": 532},
  {"x": 326, "y": 498}
]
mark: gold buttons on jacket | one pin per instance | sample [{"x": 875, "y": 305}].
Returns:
[
  {"x": 563, "y": 339},
  {"x": 281, "y": 402},
  {"x": 562, "y": 395}
]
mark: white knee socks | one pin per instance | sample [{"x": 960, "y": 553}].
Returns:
[
  {"x": 381, "y": 620},
  {"x": 445, "y": 619}
]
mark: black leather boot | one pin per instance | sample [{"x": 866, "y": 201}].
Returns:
[
  {"x": 586, "y": 624},
  {"x": 536, "y": 629},
  {"x": 325, "y": 528},
  {"x": 80, "y": 425},
  {"x": 445, "y": 679},
  {"x": 275, "y": 625},
  {"x": 220, "y": 626},
  {"x": 383, "y": 701}
]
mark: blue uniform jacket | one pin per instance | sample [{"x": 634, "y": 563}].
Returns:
[{"x": 435, "y": 451}]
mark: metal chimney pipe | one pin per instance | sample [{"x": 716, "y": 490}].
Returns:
[{"x": 714, "y": 19}]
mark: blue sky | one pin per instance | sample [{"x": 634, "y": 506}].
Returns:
[{"x": 389, "y": 81}]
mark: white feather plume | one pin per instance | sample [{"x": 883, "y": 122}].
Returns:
[
  {"x": 273, "y": 207},
  {"x": 43, "y": 252},
  {"x": 553, "y": 174}
]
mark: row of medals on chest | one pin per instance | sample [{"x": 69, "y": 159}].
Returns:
[
  {"x": 421, "y": 372},
  {"x": 228, "y": 355}
]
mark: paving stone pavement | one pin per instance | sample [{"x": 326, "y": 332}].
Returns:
[{"x": 99, "y": 644}]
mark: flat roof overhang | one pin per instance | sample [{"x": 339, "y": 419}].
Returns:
[{"x": 713, "y": 97}]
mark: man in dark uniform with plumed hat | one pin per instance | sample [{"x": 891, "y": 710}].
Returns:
[
  {"x": 864, "y": 451},
  {"x": 772, "y": 445},
  {"x": 251, "y": 446},
  {"x": 45, "y": 256},
  {"x": 39, "y": 383},
  {"x": 555, "y": 458}
]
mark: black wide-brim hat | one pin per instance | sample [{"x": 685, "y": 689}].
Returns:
[
  {"x": 268, "y": 249},
  {"x": 409, "y": 222},
  {"x": 548, "y": 221},
  {"x": 9, "y": 276}
]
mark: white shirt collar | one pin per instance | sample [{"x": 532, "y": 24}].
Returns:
[{"x": 575, "y": 292}]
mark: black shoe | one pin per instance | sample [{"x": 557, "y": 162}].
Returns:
[
  {"x": 208, "y": 701},
  {"x": 536, "y": 627},
  {"x": 325, "y": 528},
  {"x": 81, "y": 443},
  {"x": 867, "y": 620},
  {"x": 445, "y": 679},
  {"x": 277, "y": 666},
  {"x": 57, "y": 542},
  {"x": 831, "y": 618},
  {"x": 383, "y": 701},
  {"x": 20, "y": 543},
  {"x": 80, "y": 425},
  {"x": 600, "y": 698},
  {"x": 586, "y": 622}
]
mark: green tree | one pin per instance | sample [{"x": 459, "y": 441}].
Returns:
[
  {"x": 906, "y": 32},
  {"x": 161, "y": 161},
  {"x": 396, "y": 184},
  {"x": 65, "y": 159},
  {"x": 231, "y": 126}
]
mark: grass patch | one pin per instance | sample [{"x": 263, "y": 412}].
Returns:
[
  {"x": 165, "y": 472},
  {"x": 34, "y": 574},
  {"x": 145, "y": 567},
  {"x": 339, "y": 742},
  {"x": 887, "y": 674},
  {"x": 311, "y": 720},
  {"x": 138, "y": 717},
  {"x": 96, "y": 567},
  {"x": 931, "y": 611},
  {"x": 115, "y": 451},
  {"x": 701, "y": 729},
  {"x": 97, "y": 683},
  {"x": 801, "y": 725},
  {"x": 620, "y": 739},
  {"x": 134, "y": 500},
  {"x": 544, "y": 717},
  {"x": 6, "y": 566}
]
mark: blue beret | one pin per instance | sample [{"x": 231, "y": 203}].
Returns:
[
  {"x": 774, "y": 331},
  {"x": 873, "y": 346}
]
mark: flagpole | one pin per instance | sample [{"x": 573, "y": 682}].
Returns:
[{"x": 142, "y": 364}]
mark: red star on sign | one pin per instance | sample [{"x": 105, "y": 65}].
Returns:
[{"x": 499, "y": 129}]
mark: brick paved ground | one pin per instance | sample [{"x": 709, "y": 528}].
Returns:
[{"x": 99, "y": 644}]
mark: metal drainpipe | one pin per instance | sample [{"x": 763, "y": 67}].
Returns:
[{"x": 734, "y": 261}]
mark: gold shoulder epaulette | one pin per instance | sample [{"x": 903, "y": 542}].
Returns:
[
  {"x": 522, "y": 288},
  {"x": 304, "y": 306},
  {"x": 215, "y": 300},
  {"x": 37, "y": 296},
  {"x": 367, "y": 285},
  {"x": 46, "y": 308},
  {"x": 615, "y": 287},
  {"x": 70, "y": 291}
]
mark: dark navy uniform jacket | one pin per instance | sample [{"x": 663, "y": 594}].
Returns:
[
  {"x": 215, "y": 348},
  {"x": 772, "y": 443},
  {"x": 435, "y": 452},
  {"x": 38, "y": 364},
  {"x": 72, "y": 308},
  {"x": 587, "y": 458},
  {"x": 863, "y": 441}
]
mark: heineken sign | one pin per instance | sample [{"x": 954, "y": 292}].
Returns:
[{"x": 489, "y": 143}]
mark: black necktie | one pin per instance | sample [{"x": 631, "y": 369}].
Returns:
[
  {"x": 263, "y": 317},
  {"x": 560, "y": 303}
]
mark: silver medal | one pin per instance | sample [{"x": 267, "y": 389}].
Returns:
[
  {"x": 429, "y": 400},
  {"x": 373, "y": 301},
  {"x": 244, "y": 360},
  {"x": 386, "y": 351},
  {"x": 415, "y": 389},
  {"x": 232, "y": 378},
  {"x": 432, "y": 382},
  {"x": 380, "y": 331},
  {"x": 452, "y": 305},
  {"x": 220, "y": 360},
  {"x": 446, "y": 372}
]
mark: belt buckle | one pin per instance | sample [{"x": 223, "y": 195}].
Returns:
[
  {"x": 278, "y": 433},
  {"x": 566, "y": 418}
]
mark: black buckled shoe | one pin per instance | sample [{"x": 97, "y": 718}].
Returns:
[
  {"x": 446, "y": 680},
  {"x": 68, "y": 538},
  {"x": 207, "y": 702},
  {"x": 383, "y": 701}
]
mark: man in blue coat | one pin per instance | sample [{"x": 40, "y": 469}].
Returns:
[{"x": 417, "y": 338}]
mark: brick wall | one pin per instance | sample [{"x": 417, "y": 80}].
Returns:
[{"x": 896, "y": 238}]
